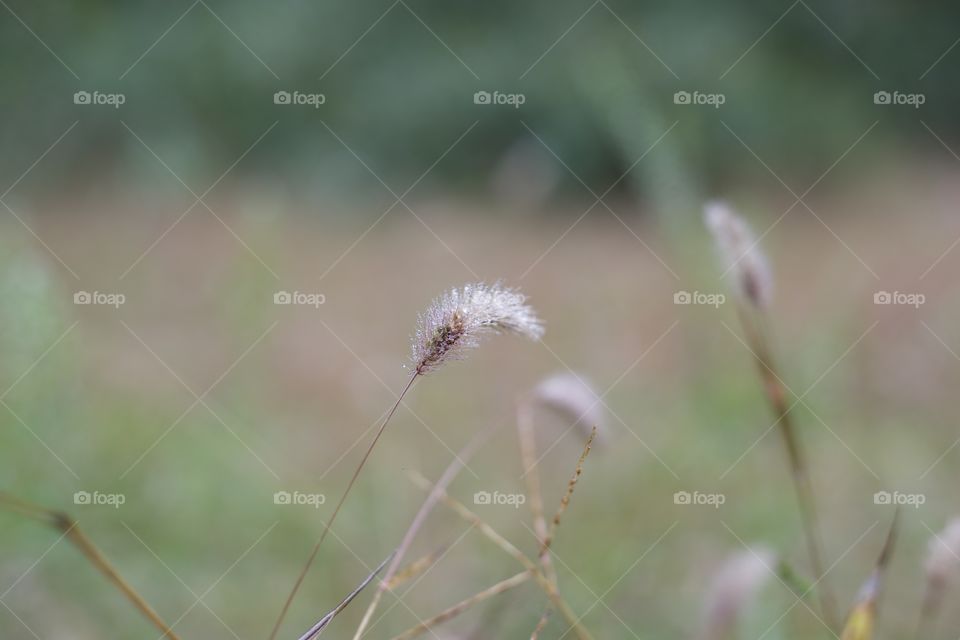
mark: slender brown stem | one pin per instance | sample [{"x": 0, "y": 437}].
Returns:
[
  {"x": 531, "y": 475},
  {"x": 541, "y": 623},
  {"x": 445, "y": 479},
  {"x": 71, "y": 530},
  {"x": 928, "y": 613},
  {"x": 528, "y": 457},
  {"x": 565, "y": 500},
  {"x": 336, "y": 510},
  {"x": 321, "y": 624},
  {"x": 491, "y": 534},
  {"x": 463, "y": 605},
  {"x": 776, "y": 394}
]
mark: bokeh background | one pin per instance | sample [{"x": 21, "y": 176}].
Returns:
[{"x": 203, "y": 194}]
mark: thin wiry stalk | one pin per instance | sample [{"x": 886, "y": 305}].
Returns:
[
  {"x": 776, "y": 394},
  {"x": 321, "y": 624},
  {"x": 463, "y": 605},
  {"x": 544, "y": 618},
  {"x": 336, "y": 510},
  {"x": 528, "y": 457},
  {"x": 491, "y": 534},
  {"x": 565, "y": 501},
  {"x": 71, "y": 530},
  {"x": 753, "y": 285},
  {"x": 547, "y": 539},
  {"x": 452, "y": 325},
  {"x": 415, "y": 568},
  {"x": 445, "y": 479}
]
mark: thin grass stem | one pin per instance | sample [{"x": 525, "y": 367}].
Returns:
[
  {"x": 463, "y": 605},
  {"x": 491, "y": 534},
  {"x": 71, "y": 530},
  {"x": 776, "y": 394},
  {"x": 336, "y": 510},
  {"x": 445, "y": 479}
]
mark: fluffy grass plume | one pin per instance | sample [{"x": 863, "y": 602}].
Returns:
[
  {"x": 733, "y": 589},
  {"x": 456, "y": 321},
  {"x": 943, "y": 555},
  {"x": 570, "y": 397},
  {"x": 737, "y": 246},
  {"x": 942, "y": 565}
]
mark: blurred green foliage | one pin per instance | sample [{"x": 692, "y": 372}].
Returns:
[{"x": 399, "y": 79}]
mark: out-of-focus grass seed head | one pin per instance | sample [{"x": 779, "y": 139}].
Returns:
[
  {"x": 573, "y": 399},
  {"x": 943, "y": 555},
  {"x": 733, "y": 589},
  {"x": 739, "y": 252}
]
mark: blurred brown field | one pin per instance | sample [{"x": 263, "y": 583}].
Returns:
[{"x": 289, "y": 394}]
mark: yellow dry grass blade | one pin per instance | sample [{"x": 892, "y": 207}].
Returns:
[
  {"x": 863, "y": 617},
  {"x": 861, "y": 622}
]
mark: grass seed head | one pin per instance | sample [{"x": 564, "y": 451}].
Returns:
[
  {"x": 572, "y": 398},
  {"x": 456, "y": 321},
  {"x": 943, "y": 555},
  {"x": 738, "y": 249},
  {"x": 733, "y": 589}
]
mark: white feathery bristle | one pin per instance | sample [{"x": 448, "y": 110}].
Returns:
[
  {"x": 573, "y": 399},
  {"x": 943, "y": 555},
  {"x": 734, "y": 588},
  {"x": 455, "y": 322},
  {"x": 739, "y": 252}
]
